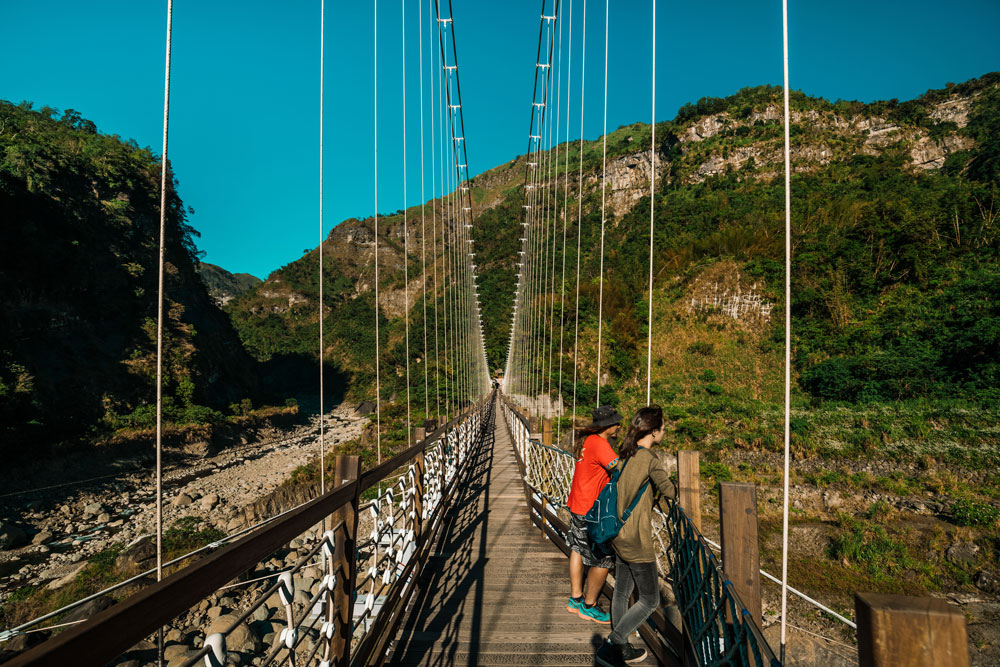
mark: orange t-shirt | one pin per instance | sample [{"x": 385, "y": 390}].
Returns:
[{"x": 590, "y": 474}]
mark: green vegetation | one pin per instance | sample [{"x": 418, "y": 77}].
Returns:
[
  {"x": 78, "y": 254},
  {"x": 971, "y": 513}
]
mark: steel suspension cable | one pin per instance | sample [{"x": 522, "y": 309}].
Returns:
[
  {"x": 788, "y": 335},
  {"x": 652, "y": 194},
  {"x": 435, "y": 89},
  {"x": 579, "y": 209},
  {"x": 554, "y": 160},
  {"x": 161, "y": 257},
  {"x": 378, "y": 386},
  {"x": 604, "y": 183},
  {"x": 322, "y": 424},
  {"x": 423, "y": 211},
  {"x": 562, "y": 281},
  {"x": 406, "y": 234}
]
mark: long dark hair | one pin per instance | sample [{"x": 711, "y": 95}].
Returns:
[
  {"x": 646, "y": 421},
  {"x": 581, "y": 435}
]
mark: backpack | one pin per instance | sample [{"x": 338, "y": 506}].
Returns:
[{"x": 603, "y": 523}]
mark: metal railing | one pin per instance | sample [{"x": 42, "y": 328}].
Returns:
[
  {"x": 716, "y": 627},
  {"x": 348, "y": 616}
]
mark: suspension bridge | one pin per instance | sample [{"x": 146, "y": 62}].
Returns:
[{"x": 454, "y": 550}]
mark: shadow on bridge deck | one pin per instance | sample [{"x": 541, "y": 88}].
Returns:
[{"x": 495, "y": 591}]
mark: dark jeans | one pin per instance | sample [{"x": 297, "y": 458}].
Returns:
[{"x": 629, "y": 576}]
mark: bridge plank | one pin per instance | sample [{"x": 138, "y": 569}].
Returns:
[{"x": 495, "y": 590}]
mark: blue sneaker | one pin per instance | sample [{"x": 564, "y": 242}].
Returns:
[
  {"x": 595, "y": 614},
  {"x": 573, "y": 605}
]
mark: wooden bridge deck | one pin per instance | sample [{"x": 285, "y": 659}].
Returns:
[{"x": 495, "y": 591}]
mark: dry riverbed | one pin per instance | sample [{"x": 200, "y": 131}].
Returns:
[{"x": 50, "y": 535}]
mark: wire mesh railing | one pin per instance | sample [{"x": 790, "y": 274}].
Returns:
[
  {"x": 717, "y": 628},
  {"x": 342, "y": 588}
]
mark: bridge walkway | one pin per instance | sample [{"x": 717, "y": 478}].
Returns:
[{"x": 494, "y": 590}]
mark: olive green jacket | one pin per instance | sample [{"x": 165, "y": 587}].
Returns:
[{"x": 634, "y": 543}]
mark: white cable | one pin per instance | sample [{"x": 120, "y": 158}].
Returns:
[
  {"x": 604, "y": 182},
  {"x": 406, "y": 240},
  {"x": 434, "y": 217},
  {"x": 423, "y": 210},
  {"x": 652, "y": 193},
  {"x": 579, "y": 208},
  {"x": 562, "y": 283},
  {"x": 159, "y": 300},
  {"x": 793, "y": 591},
  {"x": 788, "y": 335},
  {"x": 322, "y": 440},
  {"x": 378, "y": 386}
]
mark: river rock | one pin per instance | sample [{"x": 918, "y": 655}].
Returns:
[
  {"x": 240, "y": 639},
  {"x": 12, "y": 536},
  {"x": 92, "y": 510},
  {"x": 42, "y": 537},
  {"x": 172, "y": 651},
  {"x": 183, "y": 500}
]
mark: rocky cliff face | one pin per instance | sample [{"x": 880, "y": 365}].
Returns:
[{"x": 224, "y": 286}]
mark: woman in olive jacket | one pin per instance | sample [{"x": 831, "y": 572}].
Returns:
[{"x": 635, "y": 565}]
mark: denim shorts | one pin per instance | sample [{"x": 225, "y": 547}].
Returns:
[{"x": 580, "y": 543}]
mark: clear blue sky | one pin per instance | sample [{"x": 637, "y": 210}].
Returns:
[{"x": 245, "y": 94}]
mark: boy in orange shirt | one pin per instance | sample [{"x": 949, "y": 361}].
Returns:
[{"x": 594, "y": 457}]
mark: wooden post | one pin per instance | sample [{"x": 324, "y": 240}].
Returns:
[
  {"x": 533, "y": 431},
  {"x": 348, "y": 469},
  {"x": 689, "y": 486},
  {"x": 418, "y": 502},
  {"x": 547, "y": 432},
  {"x": 740, "y": 549},
  {"x": 911, "y": 631}
]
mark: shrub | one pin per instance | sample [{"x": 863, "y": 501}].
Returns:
[
  {"x": 692, "y": 429},
  {"x": 971, "y": 513},
  {"x": 713, "y": 389},
  {"x": 719, "y": 471},
  {"x": 702, "y": 348}
]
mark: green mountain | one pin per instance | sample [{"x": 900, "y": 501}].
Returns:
[
  {"x": 894, "y": 215},
  {"x": 78, "y": 251}
]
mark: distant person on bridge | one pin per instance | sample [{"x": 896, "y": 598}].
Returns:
[
  {"x": 635, "y": 562},
  {"x": 594, "y": 457}
]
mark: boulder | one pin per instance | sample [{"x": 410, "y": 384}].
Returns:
[
  {"x": 42, "y": 537},
  {"x": 12, "y": 536},
  {"x": 210, "y": 501},
  {"x": 88, "y": 609},
  {"x": 92, "y": 510},
  {"x": 172, "y": 651},
  {"x": 241, "y": 639},
  {"x": 140, "y": 555},
  {"x": 66, "y": 579},
  {"x": 988, "y": 581},
  {"x": 962, "y": 553},
  {"x": 182, "y": 500},
  {"x": 21, "y": 642}
]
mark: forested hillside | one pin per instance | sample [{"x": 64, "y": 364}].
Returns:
[
  {"x": 894, "y": 214},
  {"x": 78, "y": 250}
]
